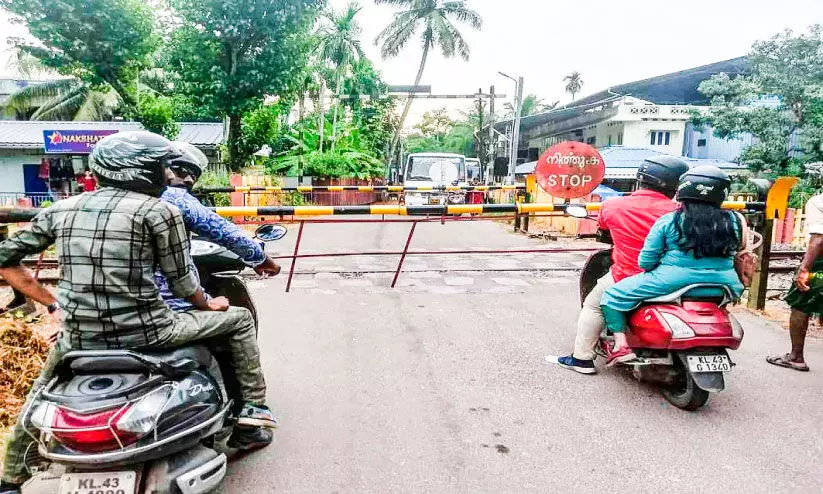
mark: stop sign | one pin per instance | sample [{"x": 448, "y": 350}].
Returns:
[{"x": 570, "y": 169}]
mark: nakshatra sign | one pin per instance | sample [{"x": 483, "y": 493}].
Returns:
[
  {"x": 72, "y": 141},
  {"x": 569, "y": 170}
]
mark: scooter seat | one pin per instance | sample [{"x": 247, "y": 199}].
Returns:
[
  {"x": 720, "y": 294},
  {"x": 172, "y": 362}
]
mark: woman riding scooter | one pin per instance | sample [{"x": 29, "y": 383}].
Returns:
[{"x": 695, "y": 244}]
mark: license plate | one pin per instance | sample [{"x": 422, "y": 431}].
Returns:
[
  {"x": 709, "y": 363},
  {"x": 98, "y": 483},
  {"x": 434, "y": 200}
]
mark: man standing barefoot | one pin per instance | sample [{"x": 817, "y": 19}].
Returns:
[{"x": 806, "y": 296}]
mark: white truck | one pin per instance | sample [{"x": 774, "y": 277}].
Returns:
[{"x": 431, "y": 173}]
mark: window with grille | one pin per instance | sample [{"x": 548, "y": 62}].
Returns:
[{"x": 660, "y": 138}]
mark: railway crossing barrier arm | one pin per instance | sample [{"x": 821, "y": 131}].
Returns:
[
  {"x": 356, "y": 188},
  {"x": 305, "y": 214},
  {"x": 23, "y": 215}
]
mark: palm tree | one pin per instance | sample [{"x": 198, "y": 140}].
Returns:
[
  {"x": 574, "y": 83},
  {"x": 26, "y": 66},
  {"x": 532, "y": 105},
  {"x": 339, "y": 38},
  {"x": 63, "y": 99},
  {"x": 435, "y": 18}
]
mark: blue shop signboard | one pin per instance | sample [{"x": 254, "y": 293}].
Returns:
[{"x": 72, "y": 141}]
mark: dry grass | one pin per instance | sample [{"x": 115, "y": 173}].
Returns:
[{"x": 23, "y": 350}]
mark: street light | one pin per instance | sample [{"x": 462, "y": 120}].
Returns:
[{"x": 518, "y": 108}]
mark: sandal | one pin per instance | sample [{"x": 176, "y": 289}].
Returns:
[{"x": 785, "y": 361}]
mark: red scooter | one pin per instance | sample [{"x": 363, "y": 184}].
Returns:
[{"x": 681, "y": 339}]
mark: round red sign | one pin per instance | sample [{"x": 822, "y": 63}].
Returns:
[{"x": 570, "y": 169}]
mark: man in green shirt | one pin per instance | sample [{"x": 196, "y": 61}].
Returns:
[{"x": 109, "y": 244}]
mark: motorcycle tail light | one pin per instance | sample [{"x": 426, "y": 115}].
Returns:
[
  {"x": 678, "y": 327},
  {"x": 737, "y": 329},
  {"x": 43, "y": 415},
  {"x": 141, "y": 417},
  {"x": 91, "y": 432}
]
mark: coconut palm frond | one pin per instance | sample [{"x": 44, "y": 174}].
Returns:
[
  {"x": 449, "y": 38},
  {"x": 98, "y": 105},
  {"x": 397, "y": 35},
  {"x": 27, "y": 66},
  {"x": 33, "y": 96},
  {"x": 459, "y": 11},
  {"x": 64, "y": 108}
]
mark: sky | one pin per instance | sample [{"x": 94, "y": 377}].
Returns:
[{"x": 608, "y": 42}]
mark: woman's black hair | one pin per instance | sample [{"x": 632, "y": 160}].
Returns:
[{"x": 706, "y": 230}]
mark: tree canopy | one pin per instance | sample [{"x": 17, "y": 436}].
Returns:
[
  {"x": 101, "y": 42},
  {"x": 229, "y": 55},
  {"x": 780, "y": 103}
]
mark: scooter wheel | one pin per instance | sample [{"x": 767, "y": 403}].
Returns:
[{"x": 685, "y": 394}]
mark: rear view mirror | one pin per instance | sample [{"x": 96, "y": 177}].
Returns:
[
  {"x": 576, "y": 211},
  {"x": 270, "y": 232}
]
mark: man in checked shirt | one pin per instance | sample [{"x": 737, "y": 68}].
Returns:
[{"x": 109, "y": 244}]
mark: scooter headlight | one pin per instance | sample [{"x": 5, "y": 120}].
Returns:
[
  {"x": 737, "y": 329},
  {"x": 679, "y": 328},
  {"x": 201, "y": 248}
]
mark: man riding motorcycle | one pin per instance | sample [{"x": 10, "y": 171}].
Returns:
[
  {"x": 109, "y": 243},
  {"x": 627, "y": 221},
  {"x": 183, "y": 172}
]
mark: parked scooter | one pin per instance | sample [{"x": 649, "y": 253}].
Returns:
[
  {"x": 125, "y": 421},
  {"x": 681, "y": 339}
]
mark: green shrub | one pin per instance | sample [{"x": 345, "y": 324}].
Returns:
[{"x": 214, "y": 179}]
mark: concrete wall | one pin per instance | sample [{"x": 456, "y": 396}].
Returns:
[{"x": 11, "y": 171}]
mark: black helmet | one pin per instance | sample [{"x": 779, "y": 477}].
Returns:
[
  {"x": 133, "y": 161},
  {"x": 192, "y": 161},
  {"x": 662, "y": 172},
  {"x": 704, "y": 184}
]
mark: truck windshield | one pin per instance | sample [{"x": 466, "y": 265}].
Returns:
[
  {"x": 473, "y": 170},
  {"x": 435, "y": 168}
]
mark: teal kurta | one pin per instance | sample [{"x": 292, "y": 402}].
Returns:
[{"x": 667, "y": 269}]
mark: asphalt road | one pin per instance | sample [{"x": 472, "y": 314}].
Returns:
[{"x": 440, "y": 385}]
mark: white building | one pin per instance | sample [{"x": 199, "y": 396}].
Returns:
[
  {"x": 652, "y": 114},
  {"x": 624, "y": 121}
]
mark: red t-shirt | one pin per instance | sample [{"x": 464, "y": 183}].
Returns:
[
  {"x": 89, "y": 183},
  {"x": 629, "y": 220}
]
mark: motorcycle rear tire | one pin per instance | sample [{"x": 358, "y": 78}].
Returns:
[{"x": 686, "y": 395}]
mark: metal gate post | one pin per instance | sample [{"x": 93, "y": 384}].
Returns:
[
  {"x": 760, "y": 280},
  {"x": 403, "y": 255},
  {"x": 294, "y": 257}
]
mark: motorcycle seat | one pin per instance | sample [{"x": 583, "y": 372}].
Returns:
[
  {"x": 720, "y": 294},
  {"x": 175, "y": 362}
]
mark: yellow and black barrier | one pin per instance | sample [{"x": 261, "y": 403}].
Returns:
[
  {"x": 22, "y": 215},
  {"x": 357, "y": 188}
]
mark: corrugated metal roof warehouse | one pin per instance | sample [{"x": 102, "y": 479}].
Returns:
[{"x": 27, "y": 170}]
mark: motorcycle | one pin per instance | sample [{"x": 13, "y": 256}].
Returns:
[
  {"x": 126, "y": 421},
  {"x": 681, "y": 339}
]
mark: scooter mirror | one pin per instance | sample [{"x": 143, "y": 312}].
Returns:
[
  {"x": 267, "y": 233},
  {"x": 577, "y": 211}
]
